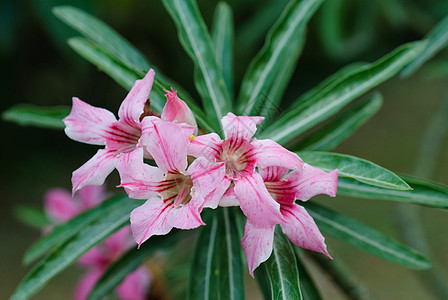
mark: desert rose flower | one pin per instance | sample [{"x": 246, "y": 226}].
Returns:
[
  {"x": 175, "y": 195},
  {"x": 60, "y": 207}
]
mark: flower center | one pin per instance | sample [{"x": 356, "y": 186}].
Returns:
[
  {"x": 176, "y": 189},
  {"x": 236, "y": 156},
  {"x": 122, "y": 137}
]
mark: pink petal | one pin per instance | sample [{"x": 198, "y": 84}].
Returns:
[
  {"x": 269, "y": 154},
  {"x": 311, "y": 181},
  {"x": 271, "y": 174},
  {"x": 138, "y": 179},
  {"x": 187, "y": 216},
  {"x": 122, "y": 137},
  {"x": 88, "y": 124},
  {"x": 214, "y": 198},
  {"x": 229, "y": 198},
  {"x": 94, "y": 258},
  {"x": 208, "y": 177},
  {"x": 207, "y": 145},
  {"x": 60, "y": 206},
  {"x": 256, "y": 203},
  {"x": 119, "y": 242},
  {"x": 257, "y": 245},
  {"x": 86, "y": 283},
  {"x": 95, "y": 170},
  {"x": 240, "y": 128},
  {"x": 133, "y": 105},
  {"x": 92, "y": 195},
  {"x": 135, "y": 286},
  {"x": 176, "y": 110},
  {"x": 166, "y": 144},
  {"x": 150, "y": 219},
  {"x": 301, "y": 229}
]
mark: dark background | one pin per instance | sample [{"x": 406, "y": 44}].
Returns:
[{"x": 38, "y": 67}]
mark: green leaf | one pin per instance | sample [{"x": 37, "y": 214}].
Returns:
[
  {"x": 309, "y": 289},
  {"x": 364, "y": 238},
  {"x": 437, "y": 40},
  {"x": 423, "y": 192},
  {"x": 356, "y": 168},
  {"x": 126, "y": 77},
  {"x": 338, "y": 93},
  {"x": 281, "y": 270},
  {"x": 39, "y": 116},
  {"x": 223, "y": 40},
  {"x": 268, "y": 74},
  {"x": 197, "y": 42},
  {"x": 130, "y": 261},
  {"x": 343, "y": 126},
  {"x": 107, "y": 38},
  {"x": 31, "y": 216},
  {"x": 62, "y": 233},
  {"x": 112, "y": 218},
  {"x": 217, "y": 270}
]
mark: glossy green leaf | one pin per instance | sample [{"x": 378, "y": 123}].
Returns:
[
  {"x": 437, "y": 40},
  {"x": 364, "y": 238},
  {"x": 262, "y": 87},
  {"x": 126, "y": 77},
  {"x": 280, "y": 270},
  {"x": 130, "y": 261},
  {"x": 38, "y": 116},
  {"x": 217, "y": 269},
  {"x": 31, "y": 216},
  {"x": 343, "y": 126},
  {"x": 62, "y": 233},
  {"x": 112, "y": 218},
  {"x": 223, "y": 41},
  {"x": 197, "y": 42},
  {"x": 307, "y": 285},
  {"x": 355, "y": 168},
  {"x": 423, "y": 192},
  {"x": 335, "y": 95},
  {"x": 107, "y": 38}
]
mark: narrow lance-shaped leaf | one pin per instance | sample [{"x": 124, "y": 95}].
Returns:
[
  {"x": 281, "y": 270},
  {"x": 112, "y": 219},
  {"x": 278, "y": 56},
  {"x": 103, "y": 35},
  {"x": 365, "y": 238},
  {"x": 343, "y": 126},
  {"x": 114, "y": 45},
  {"x": 216, "y": 272},
  {"x": 423, "y": 192},
  {"x": 334, "y": 96},
  {"x": 39, "y": 116},
  {"x": 356, "y": 168},
  {"x": 437, "y": 40},
  {"x": 130, "y": 261},
  {"x": 31, "y": 216},
  {"x": 307, "y": 285},
  {"x": 64, "y": 232},
  {"x": 223, "y": 41},
  {"x": 126, "y": 77},
  {"x": 197, "y": 42}
]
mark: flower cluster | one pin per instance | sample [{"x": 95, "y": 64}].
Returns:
[
  {"x": 61, "y": 207},
  {"x": 260, "y": 176}
]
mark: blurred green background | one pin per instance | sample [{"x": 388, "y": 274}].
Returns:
[{"x": 39, "y": 68}]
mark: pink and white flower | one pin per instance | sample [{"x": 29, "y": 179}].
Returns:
[
  {"x": 175, "y": 195},
  {"x": 241, "y": 153},
  {"x": 60, "y": 207},
  {"x": 98, "y": 126},
  {"x": 297, "y": 224}
]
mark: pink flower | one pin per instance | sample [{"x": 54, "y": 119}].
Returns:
[
  {"x": 297, "y": 224},
  {"x": 98, "y": 126},
  {"x": 241, "y": 153},
  {"x": 60, "y": 206},
  {"x": 175, "y": 195}
]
